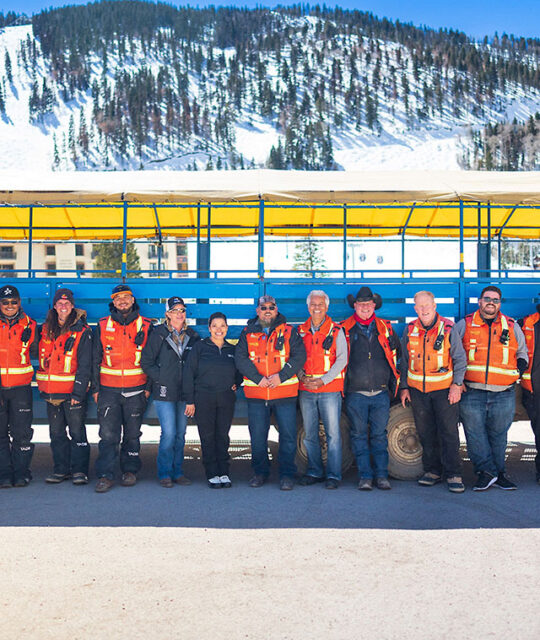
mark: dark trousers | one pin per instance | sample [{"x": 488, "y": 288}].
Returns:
[
  {"x": 119, "y": 418},
  {"x": 531, "y": 402},
  {"x": 16, "y": 448},
  {"x": 70, "y": 454},
  {"x": 437, "y": 426},
  {"x": 214, "y": 414}
]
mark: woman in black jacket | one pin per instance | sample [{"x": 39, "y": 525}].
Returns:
[
  {"x": 162, "y": 360},
  {"x": 209, "y": 384}
]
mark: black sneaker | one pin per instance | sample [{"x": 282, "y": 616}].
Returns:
[
  {"x": 503, "y": 483},
  {"x": 485, "y": 480}
]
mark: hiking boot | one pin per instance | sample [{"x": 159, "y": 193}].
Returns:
[
  {"x": 503, "y": 483},
  {"x": 383, "y": 483},
  {"x": 183, "y": 481},
  {"x": 80, "y": 478},
  {"x": 455, "y": 484},
  {"x": 21, "y": 482},
  {"x": 286, "y": 484},
  {"x": 429, "y": 479},
  {"x": 6, "y": 484},
  {"x": 332, "y": 483},
  {"x": 128, "y": 479},
  {"x": 57, "y": 478},
  {"x": 103, "y": 485},
  {"x": 365, "y": 484},
  {"x": 257, "y": 481},
  {"x": 167, "y": 483},
  {"x": 306, "y": 481},
  {"x": 485, "y": 480}
]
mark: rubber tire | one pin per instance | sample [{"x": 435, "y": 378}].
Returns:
[
  {"x": 301, "y": 455},
  {"x": 404, "y": 448}
]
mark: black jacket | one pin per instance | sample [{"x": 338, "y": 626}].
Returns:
[
  {"x": 247, "y": 368},
  {"x": 209, "y": 369},
  {"x": 97, "y": 351},
  {"x": 84, "y": 361},
  {"x": 162, "y": 365}
]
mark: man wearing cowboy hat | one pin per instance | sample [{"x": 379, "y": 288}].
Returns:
[{"x": 372, "y": 376}]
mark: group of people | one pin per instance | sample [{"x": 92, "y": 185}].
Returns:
[{"x": 447, "y": 372}]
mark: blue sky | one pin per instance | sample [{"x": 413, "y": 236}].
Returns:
[{"x": 475, "y": 17}]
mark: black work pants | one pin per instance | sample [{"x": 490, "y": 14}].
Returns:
[
  {"x": 70, "y": 454},
  {"x": 214, "y": 414},
  {"x": 437, "y": 426},
  {"x": 120, "y": 419},
  {"x": 531, "y": 402},
  {"x": 16, "y": 448}
]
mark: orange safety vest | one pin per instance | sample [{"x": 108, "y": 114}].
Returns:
[
  {"x": 490, "y": 361},
  {"x": 384, "y": 330},
  {"x": 57, "y": 367},
  {"x": 320, "y": 360},
  {"x": 528, "y": 332},
  {"x": 15, "y": 367},
  {"x": 121, "y": 362},
  {"x": 269, "y": 360},
  {"x": 429, "y": 369}
]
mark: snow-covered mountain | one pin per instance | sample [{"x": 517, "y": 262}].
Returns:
[{"x": 295, "y": 90}]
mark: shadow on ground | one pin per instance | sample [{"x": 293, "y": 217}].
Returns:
[{"x": 407, "y": 506}]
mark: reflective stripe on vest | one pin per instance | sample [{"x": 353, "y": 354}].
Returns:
[
  {"x": 528, "y": 332},
  {"x": 16, "y": 369},
  {"x": 319, "y": 360},
  {"x": 429, "y": 369},
  {"x": 490, "y": 361},
  {"x": 120, "y": 367}
]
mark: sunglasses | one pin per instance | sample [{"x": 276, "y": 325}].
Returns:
[
  {"x": 487, "y": 300},
  {"x": 7, "y": 303},
  {"x": 177, "y": 311},
  {"x": 264, "y": 307}
]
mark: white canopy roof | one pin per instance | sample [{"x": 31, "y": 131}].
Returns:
[{"x": 18, "y": 188}]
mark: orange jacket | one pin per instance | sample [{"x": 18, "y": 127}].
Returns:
[
  {"x": 121, "y": 362},
  {"x": 490, "y": 361},
  {"x": 15, "y": 367},
  {"x": 384, "y": 330},
  {"x": 429, "y": 369},
  {"x": 528, "y": 332},
  {"x": 269, "y": 359},
  {"x": 320, "y": 359},
  {"x": 58, "y": 364}
]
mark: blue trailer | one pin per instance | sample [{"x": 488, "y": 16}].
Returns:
[{"x": 260, "y": 207}]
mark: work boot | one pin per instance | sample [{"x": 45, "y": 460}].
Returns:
[
  {"x": 128, "y": 479},
  {"x": 103, "y": 485}
]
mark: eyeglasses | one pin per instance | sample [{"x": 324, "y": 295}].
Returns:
[
  {"x": 487, "y": 300},
  {"x": 9, "y": 303},
  {"x": 270, "y": 306},
  {"x": 177, "y": 312}
]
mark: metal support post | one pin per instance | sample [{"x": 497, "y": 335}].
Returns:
[
  {"x": 345, "y": 242},
  {"x": 260, "y": 242},
  {"x": 30, "y": 232},
  {"x": 124, "y": 243}
]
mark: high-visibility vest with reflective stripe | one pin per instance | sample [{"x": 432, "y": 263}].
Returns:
[
  {"x": 528, "y": 332},
  {"x": 319, "y": 360},
  {"x": 268, "y": 359},
  {"x": 384, "y": 330},
  {"x": 121, "y": 362},
  {"x": 57, "y": 367},
  {"x": 429, "y": 369},
  {"x": 490, "y": 361},
  {"x": 15, "y": 367}
]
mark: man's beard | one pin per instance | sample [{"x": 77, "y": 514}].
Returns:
[{"x": 265, "y": 323}]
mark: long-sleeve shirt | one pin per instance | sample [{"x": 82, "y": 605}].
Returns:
[{"x": 457, "y": 353}]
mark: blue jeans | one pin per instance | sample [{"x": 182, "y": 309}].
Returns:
[
  {"x": 486, "y": 418},
  {"x": 369, "y": 416},
  {"x": 259, "y": 425},
  {"x": 173, "y": 423},
  {"x": 328, "y": 407}
]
